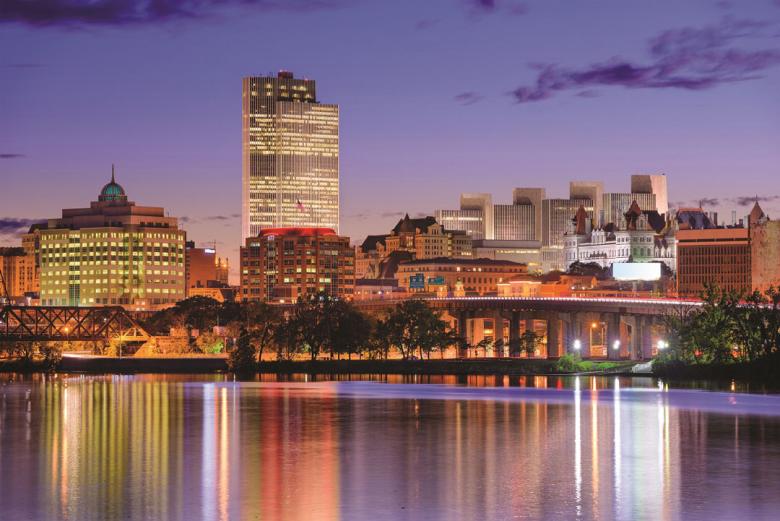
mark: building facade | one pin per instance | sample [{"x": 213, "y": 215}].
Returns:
[
  {"x": 514, "y": 222},
  {"x": 284, "y": 264},
  {"x": 652, "y": 184},
  {"x": 203, "y": 268},
  {"x": 290, "y": 155},
  {"x": 735, "y": 258},
  {"x": 112, "y": 253},
  {"x": 615, "y": 205},
  {"x": 457, "y": 277},
  {"x": 642, "y": 236},
  {"x": 19, "y": 273}
]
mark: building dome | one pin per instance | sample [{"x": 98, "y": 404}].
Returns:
[{"x": 112, "y": 191}]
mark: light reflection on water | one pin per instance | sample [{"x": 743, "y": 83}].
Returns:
[{"x": 203, "y": 447}]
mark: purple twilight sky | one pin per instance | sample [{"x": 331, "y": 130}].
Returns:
[{"x": 437, "y": 97}]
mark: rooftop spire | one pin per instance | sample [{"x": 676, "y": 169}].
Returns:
[{"x": 112, "y": 173}]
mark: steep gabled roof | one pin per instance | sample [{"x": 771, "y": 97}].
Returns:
[
  {"x": 407, "y": 225},
  {"x": 370, "y": 242}
]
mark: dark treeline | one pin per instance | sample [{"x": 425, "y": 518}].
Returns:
[
  {"x": 315, "y": 327},
  {"x": 731, "y": 328}
]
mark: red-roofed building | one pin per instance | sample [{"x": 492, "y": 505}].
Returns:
[{"x": 282, "y": 264}]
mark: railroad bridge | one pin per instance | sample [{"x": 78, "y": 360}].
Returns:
[
  {"x": 64, "y": 323},
  {"x": 595, "y": 327}
]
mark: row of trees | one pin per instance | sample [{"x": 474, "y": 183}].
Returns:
[
  {"x": 730, "y": 326},
  {"x": 322, "y": 325},
  {"x": 316, "y": 326}
]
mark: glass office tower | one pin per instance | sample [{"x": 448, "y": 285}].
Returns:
[{"x": 290, "y": 155}]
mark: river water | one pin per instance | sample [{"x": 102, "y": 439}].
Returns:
[{"x": 152, "y": 447}]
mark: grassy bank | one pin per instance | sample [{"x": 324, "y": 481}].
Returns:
[
  {"x": 511, "y": 367},
  {"x": 765, "y": 370}
]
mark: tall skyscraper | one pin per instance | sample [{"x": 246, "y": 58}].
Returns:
[
  {"x": 290, "y": 155},
  {"x": 615, "y": 205},
  {"x": 533, "y": 197},
  {"x": 652, "y": 184},
  {"x": 592, "y": 190}
]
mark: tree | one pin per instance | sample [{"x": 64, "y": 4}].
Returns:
[
  {"x": 261, "y": 321},
  {"x": 309, "y": 325},
  {"x": 379, "y": 343},
  {"x": 242, "y": 358},
  {"x": 351, "y": 330},
  {"x": 483, "y": 344},
  {"x": 529, "y": 341},
  {"x": 413, "y": 326},
  {"x": 210, "y": 343}
]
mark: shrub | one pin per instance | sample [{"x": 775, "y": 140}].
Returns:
[{"x": 569, "y": 363}]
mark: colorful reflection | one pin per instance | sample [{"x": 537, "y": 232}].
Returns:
[{"x": 149, "y": 447}]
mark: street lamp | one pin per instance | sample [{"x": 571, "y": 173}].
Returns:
[
  {"x": 662, "y": 345},
  {"x": 616, "y": 345},
  {"x": 577, "y": 345}
]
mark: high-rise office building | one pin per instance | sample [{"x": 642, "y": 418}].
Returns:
[
  {"x": 290, "y": 155},
  {"x": 592, "y": 190},
  {"x": 652, "y": 184},
  {"x": 514, "y": 222},
  {"x": 533, "y": 197},
  {"x": 615, "y": 205},
  {"x": 112, "y": 253},
  {"x": 557, "y": 214}
]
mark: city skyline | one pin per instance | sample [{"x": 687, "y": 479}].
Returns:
[{"x": 432, "y": 137}]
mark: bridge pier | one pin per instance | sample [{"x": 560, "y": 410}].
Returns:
[
  {"x": 614, "y": 338},
  {"x": 514, "y": 334},
  {"x": 498, "y": 334},
  {"x": 463, "y": 332},
  {"x": 553, "y": 335},
  {"x": 646, "y": 338}
]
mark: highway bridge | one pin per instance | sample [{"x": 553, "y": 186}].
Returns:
[{"x": 594, "y": 327}]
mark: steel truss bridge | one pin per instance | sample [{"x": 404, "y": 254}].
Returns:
[{"x": 62, "y": 323}]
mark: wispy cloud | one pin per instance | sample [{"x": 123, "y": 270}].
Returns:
[
  {"x": 688, "y": 59},
  {"x": 708, "y": 201},
  {"x": 10, "y": 156},
  {"x": 468, "y": 98},
  {"x": 490, "y": 6},
  {"x": 22, "y": 65},
  {"x": 426, "y": 23},
  {"x": 210, "y": 218},
  {"x": 748, "y": 200},
  {"x": 133, "y": 12},
  {"x": 13, "y": 225}
]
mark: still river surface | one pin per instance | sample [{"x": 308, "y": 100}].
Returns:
[{"x": 152, "y": 447}]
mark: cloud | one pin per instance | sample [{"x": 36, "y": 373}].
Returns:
[
  {"x": 749, "y": 200},
  {"x": 217, "y": 218},
  {"x": 135, "y": 12},
  {"x": 708, "y": 201},
  {"x": 11, "y": 156},
  {"x": 688, "y": 59},
  {"x": 468, "y": 98},
  {"x": 490, "y": 6},
  {"x": 13, "y": 226},
  {"x": 426, "y": 23}
]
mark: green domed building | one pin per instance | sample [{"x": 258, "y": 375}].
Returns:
[{"x": 113, "y": 253}]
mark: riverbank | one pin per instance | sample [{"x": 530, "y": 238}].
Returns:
[
  {"x": 767, "y": 370},
  {"x": 510, "y": 367}
]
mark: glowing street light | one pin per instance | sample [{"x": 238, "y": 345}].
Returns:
[
  {"x": 662, "y": 345},
  {"x": 616, "y": 345},
  {"x": 577, "y": 344}
]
